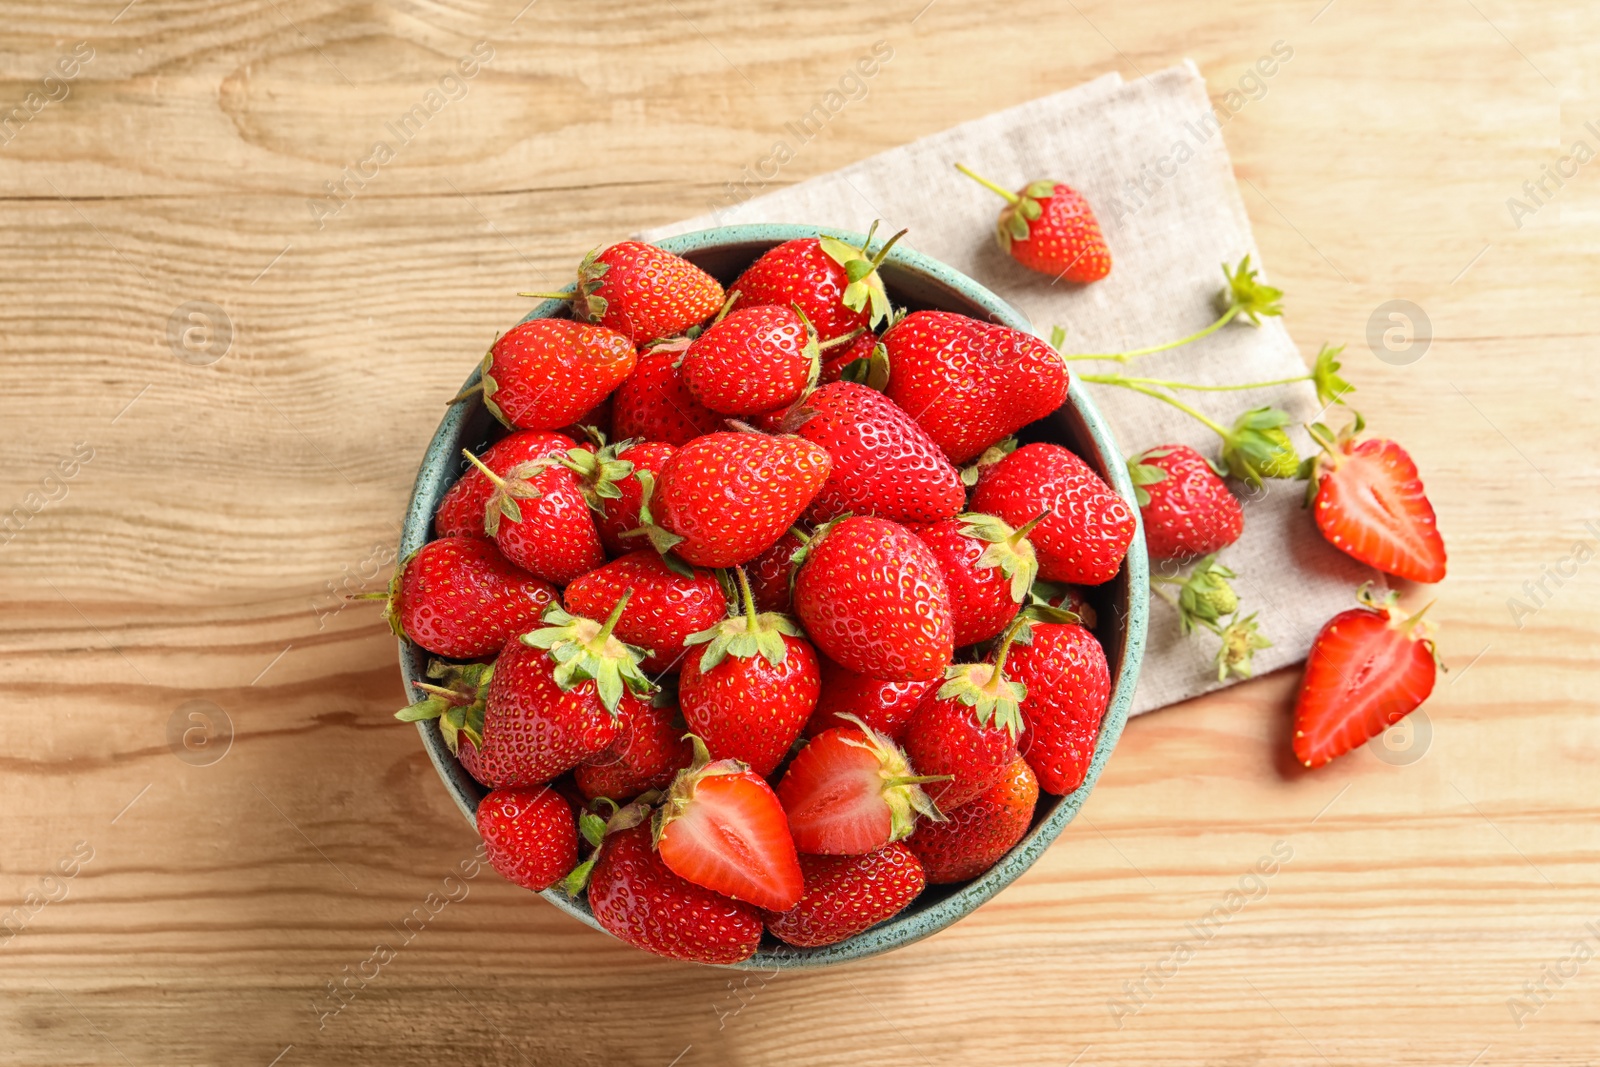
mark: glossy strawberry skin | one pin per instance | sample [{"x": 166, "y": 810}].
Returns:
[
  {"x": 1069, "y": 686},
  {"x": 532, "y": 731},
  {"x": 1087, "y": 533},
  {"x": 800, "y": 274},
  {"x": 461, "y": 511},
  {"x": 971, "y": 384},
  {"x": 1363, "y": 675},
  {"x": 752, "y": 361},
  {"x": 1065, "y": 241},
  {"x": 637, "y": 898},
  {"x": 945, "y": 737},
  {"x": 846, "y": 895},
  {"x": 979, "y": 833},
  {"x": 648, "y": 756},
  {"x": 459, "y": 597},
  {"x": 883, "y": 463},
  {"x": 529, "y": 834},
  {"x": 884, "y": 706},
  {"x": 1370, "y": 504},
  {"x": 655, "y": 405},
  {"x": 1191, "y": 511},
  {"x": 651, "y": 293},
  {"x": 980, "y": 596},
  {"x": 872, "y": 597},
  {"x": 769, "y": 574},
  {"x": 665, "y": 609},
  {"x": 747, "y": 709},
  {"x": 731, "y": 837},
  {"x": 730, "y": 496},
  {"x": 836, "y": 359},
  {"x": 550, "y": 372},
  {"x": 556, "y": 538},
  {"x": 619, "y": 515}
]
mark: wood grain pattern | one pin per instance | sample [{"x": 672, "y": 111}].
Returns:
[{"x": 193, "y": 556}]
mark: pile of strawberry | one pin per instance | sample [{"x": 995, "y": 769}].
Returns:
[{"x": 742, "y": 637}]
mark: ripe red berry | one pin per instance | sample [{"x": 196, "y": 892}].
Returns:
[
  {"x": 1187, "y": 509},
  {"x": 641, "y": 291},
  {"x": 529, "y": 835},
  {"x": 1049, "y": 227},
  {"x": 845, "y": 895},
  {"x": 666, "y": 609},
  {"x": 459, "y": 597},
  {"x": 757, "y": 359},
  {"x": 547, "y": 373},
  {"x": 655, "y": 405},
  {"x": 884, "y": 706},
  {"x": 979, "y": 833},
  {"x": 462, "y": 510}
]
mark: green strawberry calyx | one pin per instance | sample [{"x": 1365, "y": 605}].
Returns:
[
  {"x": 1257, "y": 447},
  {"x": 585, "y": 299},
  {"x": 1331, "y": 451},
  {"x": 587, "y": 651},
  {"x": 487, "y": 386},
  {"x": 680, "y": 794},
  {"x": 745, "y": 635},
  {"x": 1021, "y": 210},
  {"x": 991, "y": 455},
  {"x": 457, "y": 702},
  {"x": 594, "y": 827},
  {"x": 661, "y": 539},
  {"x": 901, "y": 787},
  {"x": 1240, "y": 640},
  {"x": 1205, "y": 596},
  {"x": 1006, "y": 548},
  {"x": 600, "y": 471},
  {"x": 871, "y": 370},
  {"x": 1142, "y": 473},
  {"x": 985, "y": 688},
  {"x": 863, "y": 285},
  {"x": 513, "y": 486}
]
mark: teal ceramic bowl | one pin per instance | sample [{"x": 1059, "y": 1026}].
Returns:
[{"x": 917, "y": 282}]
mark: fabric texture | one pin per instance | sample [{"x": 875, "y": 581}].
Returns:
[{"x": 1149, "y": 157}]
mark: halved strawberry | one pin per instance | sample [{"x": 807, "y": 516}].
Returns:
[
  {"x": 722, "y": 827},
  {"x": 1369, "y": 668},
  {"x": 1370, "y": 504},
  {"x": 851, "y": 791}
]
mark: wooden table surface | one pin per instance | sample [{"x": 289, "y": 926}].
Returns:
[{"x": 229, "y": 328}]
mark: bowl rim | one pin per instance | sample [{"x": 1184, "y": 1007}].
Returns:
[{"x": 438, "y": 467}]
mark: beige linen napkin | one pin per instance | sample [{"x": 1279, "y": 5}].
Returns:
[{"x": 1149, "y": 156}]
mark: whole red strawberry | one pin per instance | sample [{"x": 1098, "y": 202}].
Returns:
[
  {"x": 553, "y": 698},
  {"x": 757, "y": 359},
  {"x": 1187, "y": 509},
  {"x": 883, "y": 463},
  {"x": 884, "y": 706},
  {"x": 667, "y": 608},
  {"x": 971, "y": 384},
  {"x": 529, "y": 835},
  {"x": 638, "y": 899},
  {"x": 846, "y": 895},
  {"x": 725, "y": 498},
  {"x": 988, "y": 568},
  {"x": 721, "y": 826},
  {"x": 541, "y": 521},
  {"x": 547, "y": 373},
  {"x": 851, "y": 791},
  {"x": 652, "y": 752},
  {"x": 967, "y": 729},
  {"x": 655, "y": 405},
  {"x": 833, "y": 283},
  {"x": 1049, "y": 227},
  {"x": 461, "y": 511},
  {"x": 1088, "y": 528},
  {"x": 1369, "y": 668},
  {"x": 872, "y": 599},
  {"x": 1068, "y": 687},
  {"x": 617, "y": 509},
  {"x": 459, "y": 597},
  {"x": 1370, "y": 504},
  {"x": 749, "y": 693},
  {"x": 979, "y": 833},
  {"x": 771, "y": 573},
  {"x": 641, "y": 291}
]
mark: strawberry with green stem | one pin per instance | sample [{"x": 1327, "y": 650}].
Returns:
[
  {"x": 1204, "y": 598},
  {"x": 1369, "y": 667},
  {"x": 722, "y": 827},
  {"x": 1049, "y": 227},
  {"x": 544, "y": 374},
  {"x": 640, "y": 291},
  {"x": 968, "y": 728},
  {"x": 752, "y": 688},
  {"x": 459, "y": 597},
  {"x": 1254, "y": 448},
  {"x": 538, "y": 516},
  {"x": 461, "y": 511},
  {"x": 666, "y": 611},
  {"x": 988, "y": 568},
  {"x": 1369, "y": 503},
  {"x": 1068, "y": 683},
  {"x": 851, "y": 791},
  {"x": 1187, "y": 508},
  {"x": 833, "y": 283}
]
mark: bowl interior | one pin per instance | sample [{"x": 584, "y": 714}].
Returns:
[{"x": 916, "y": 282}]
